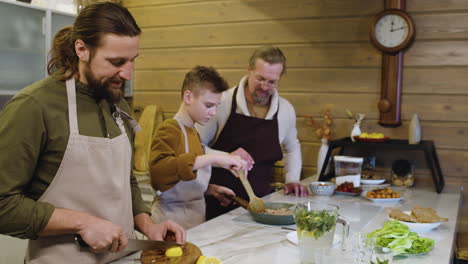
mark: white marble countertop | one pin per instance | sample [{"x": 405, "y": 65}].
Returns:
[{"x": 236, "y": 239}]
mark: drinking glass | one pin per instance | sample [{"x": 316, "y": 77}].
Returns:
[
  {"x": 362, "y": 248},
  {"x": 382, "y": 255}
]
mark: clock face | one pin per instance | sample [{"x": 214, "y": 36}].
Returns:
[{"x": 391, "y": 30}]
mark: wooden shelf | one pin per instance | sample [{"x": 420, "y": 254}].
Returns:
[{"x": 426, "y": 146}]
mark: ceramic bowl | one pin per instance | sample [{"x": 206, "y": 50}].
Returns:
[{"x": 322, "y": 188}]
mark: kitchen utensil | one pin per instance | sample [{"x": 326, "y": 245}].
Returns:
[
  {"x": 255, "y": 204},
  {"x": 136, "y": 244},
  {"x": 190, "y": 255},
  {"x": 271, "y": 219},
  {"x": 264, "y": 218},
  {"x": 239, "y": 200}
]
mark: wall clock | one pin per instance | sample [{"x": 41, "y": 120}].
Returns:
[{"x": 392, "y": 32}]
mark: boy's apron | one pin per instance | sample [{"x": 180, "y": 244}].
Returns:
[
  {"x": 184, "y": 203},
  {"x": 94, "y": 177},
  {"x": 257, "y": 136}
]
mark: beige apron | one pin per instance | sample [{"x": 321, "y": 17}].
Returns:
[
  {"x": 94, "y": 177},
  {"x": 185, "y": 202}
]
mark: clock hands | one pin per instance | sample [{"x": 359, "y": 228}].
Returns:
[{"x": 400, "y": 28}]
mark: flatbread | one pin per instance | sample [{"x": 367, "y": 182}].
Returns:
[
  {"x": 397, "y": 214},
  {"x": 191, "y": 253},
  {"x": 426, "y": 215}
]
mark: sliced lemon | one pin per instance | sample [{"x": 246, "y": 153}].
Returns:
[
  {"x": 208, "y": 260},
  {"x": 303, "y": 233},
  {"x": 174, "y": 252}
]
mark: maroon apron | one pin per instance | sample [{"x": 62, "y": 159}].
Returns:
[{"x": 259, "y": 137}]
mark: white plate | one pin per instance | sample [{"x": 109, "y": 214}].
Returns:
[
  {"x": 384, "y": 200},
  {"x": 413, "y": 254},
  {"x": 381, "y": 200},
  {"x": 370, "y": 182},
  {"x": 370, "y": 187},
  {"x": 418, "y": 227},
  {"x": 292, "y": 237}
]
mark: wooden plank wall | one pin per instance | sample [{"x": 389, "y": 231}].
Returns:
[{"x": 330, "y": 62}]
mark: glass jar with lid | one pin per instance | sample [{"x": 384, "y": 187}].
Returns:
[{"x": 402, "y": 173}]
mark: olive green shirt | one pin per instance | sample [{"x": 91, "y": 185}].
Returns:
[{"x": 34, "y": 131}]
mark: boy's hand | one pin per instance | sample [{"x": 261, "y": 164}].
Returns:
[
  {"x": 231, "y": 162},
  {"x": 221, "y": 193},
  {"x": 245, "y": 156}
]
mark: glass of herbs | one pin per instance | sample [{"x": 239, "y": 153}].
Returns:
[{"x": 315, "y": 224}]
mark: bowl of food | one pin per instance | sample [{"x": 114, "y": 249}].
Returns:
[
  {"x": 322, "y": 188},
  {"x": 347, "y": 188},
  {"x": 275, "y": 214}
]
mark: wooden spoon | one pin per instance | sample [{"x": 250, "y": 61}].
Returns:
[
  {"x": 239, "y": 200},
  {"x": 255, "y": 204}
]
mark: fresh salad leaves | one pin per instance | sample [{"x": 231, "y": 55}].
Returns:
[
  {"x": 396, "y": 236},
  {"x": 317, "y": 222}
]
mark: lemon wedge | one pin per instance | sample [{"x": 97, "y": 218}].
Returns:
[
  {"x": 208, "y": 260},
  {"x": 174, "y": 252},
  {"x": 303, "y": 233}
]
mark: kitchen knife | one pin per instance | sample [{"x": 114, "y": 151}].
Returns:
[{"x": 136, "y": 244}]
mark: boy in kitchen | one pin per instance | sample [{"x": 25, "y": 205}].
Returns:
[{"x": 179, "y": 167}]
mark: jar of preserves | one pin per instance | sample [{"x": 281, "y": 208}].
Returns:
[{"x": 402, "y": 173}]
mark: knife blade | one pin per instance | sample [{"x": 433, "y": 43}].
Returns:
[{"x": 136, "y": 244}]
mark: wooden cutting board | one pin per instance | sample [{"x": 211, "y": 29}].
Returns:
[{"x": 191, "y": 253}]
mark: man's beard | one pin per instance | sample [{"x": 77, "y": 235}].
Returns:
[
  {"x": 261, "y": 99},
  {"x": 102, "y": 89}
]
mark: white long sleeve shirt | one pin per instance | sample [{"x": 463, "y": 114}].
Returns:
[{"x": 287, "y": 131}]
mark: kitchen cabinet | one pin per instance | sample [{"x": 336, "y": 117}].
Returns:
[{"x": 26, "y": 34}]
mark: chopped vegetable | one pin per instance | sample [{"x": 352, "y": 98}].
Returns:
[{"x": 396, "y": 236}]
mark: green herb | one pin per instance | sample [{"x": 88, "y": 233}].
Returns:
[
  {"x": 318, "y": 222},
  {"x": 378, "y": 261}
]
